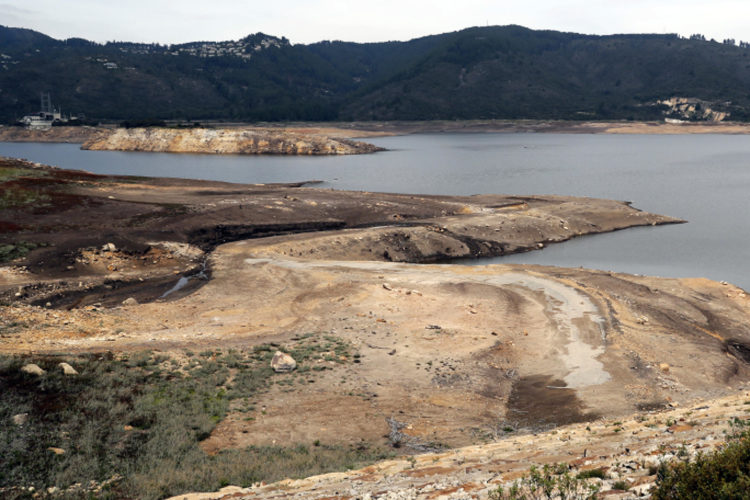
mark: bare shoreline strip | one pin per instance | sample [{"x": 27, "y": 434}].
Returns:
[{"x": 357, "y": 130}]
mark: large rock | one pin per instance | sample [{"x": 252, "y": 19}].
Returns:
[
  {"x": 20, "y": 419},
  {"x": 67, "y": 369},
  {"x": 283, "y": 363},
  {"x": 130, "y": 301},
  {"x": 32, "y": 369}
]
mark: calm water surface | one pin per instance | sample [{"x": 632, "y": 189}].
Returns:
[{"x": 704, "y": 179}]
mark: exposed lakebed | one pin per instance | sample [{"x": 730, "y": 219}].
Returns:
[{"x": 704, "y": 179}]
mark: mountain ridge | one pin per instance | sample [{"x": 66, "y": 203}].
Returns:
[{"x": 496, "y": 72}]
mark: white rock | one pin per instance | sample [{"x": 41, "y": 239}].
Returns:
[
  {"x": 32, "y": 369},
  {"x": 130, "y": 301},
  {"x": 20, "y": 418},
  {"x": 67, "y": 369},
  {"x": 283, "y": 363}
]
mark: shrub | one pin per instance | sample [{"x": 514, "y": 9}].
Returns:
[
  {"x": 551, "y": 482},
  {"x": 724, "y": 473}
]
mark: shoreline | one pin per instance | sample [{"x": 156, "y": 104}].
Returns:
[{"x": 363, "y": 130}]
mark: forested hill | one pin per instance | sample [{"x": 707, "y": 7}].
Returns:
[{"x": 488, "y": 72}]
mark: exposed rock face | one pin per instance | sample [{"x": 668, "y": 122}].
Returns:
[
  {"x": 226, "y": 141},
  {"x": 283, "y": 363}
]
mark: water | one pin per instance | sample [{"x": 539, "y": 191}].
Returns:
[{"x": 704, "y": 179}]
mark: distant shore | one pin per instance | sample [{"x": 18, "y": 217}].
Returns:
[{"x": 338, "y": 130}]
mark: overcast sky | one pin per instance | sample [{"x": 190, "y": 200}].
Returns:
[{"x": 305, "y": 21}]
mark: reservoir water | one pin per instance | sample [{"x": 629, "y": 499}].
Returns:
[{"x": 704, "y": 179}]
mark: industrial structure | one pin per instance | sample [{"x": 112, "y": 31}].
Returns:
[{"x": 46, "y": 116}]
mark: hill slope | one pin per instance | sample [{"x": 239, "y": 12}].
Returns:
[{"x": 488, "y": 72}]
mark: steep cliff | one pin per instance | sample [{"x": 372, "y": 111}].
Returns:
[{"x": 226, "y": 141}]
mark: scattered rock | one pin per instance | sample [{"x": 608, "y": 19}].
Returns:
[
  {"x": 664, "y": 367},
  {"x": 387, "y": 286},
  {"x": 67, "y": 369},
  {"x": 56, "y": 451},
  {"x": 283, "y": 363},
  {"x": 20, "y": 418},
  {"x": 109, "y": 247},
  {"x": 130, "y": 301},
  {"x": 32, "y": 369}
]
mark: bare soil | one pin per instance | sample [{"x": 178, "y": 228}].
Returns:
[{"x": 443, "y": 355}]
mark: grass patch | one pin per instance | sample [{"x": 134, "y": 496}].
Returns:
[
  {"x": 142, "y": 417},
  {"x": 724, "y": 473},
  {"x": 11, "y": 173},
  {"x": 12, "y": 197}
]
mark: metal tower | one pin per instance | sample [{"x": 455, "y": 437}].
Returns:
[{"x": 46, "y": 103}]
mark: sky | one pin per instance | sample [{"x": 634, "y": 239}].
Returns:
[{"x": 307, "y": 21}]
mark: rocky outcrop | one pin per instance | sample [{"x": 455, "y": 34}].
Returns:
[
  {"x": 226, "y": 141},
  {"x": 283, "y": 363}
]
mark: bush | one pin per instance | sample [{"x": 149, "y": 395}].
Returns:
[
  {"x": 724, "y": 473},
  {"x": 551, "y": 482}
]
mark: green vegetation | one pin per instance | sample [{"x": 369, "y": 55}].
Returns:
[
  {"x": 505, "y": 72},
  {"x": 16, "y": 250},
  {"x": 11, "y": 173},
  {"x": 588, "y": 474},
  {"x": 18, "y": 197},
  {"x": 551, "y": 482},
  {"x": 722, "y": 474},
  {"x": 620, "y": 485},
  {"x": 137, "y": 420}
]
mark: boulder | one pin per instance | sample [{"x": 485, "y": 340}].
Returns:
[
  {"x": 67, "y": 369},
  {"x": 109, "y": 247},
  {"x": 283, "y": 363},
  {"x": 20, "y": 419},
  {"x": 130, "y": 301},
  {"x": 32, "y": 369}
]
